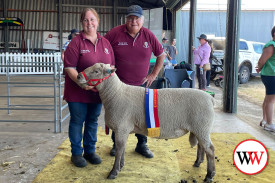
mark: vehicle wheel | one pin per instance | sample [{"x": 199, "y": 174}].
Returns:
[
  {"x": 244, "y": 74},
  {"x": 217, "y": 82},
  {"x": 221, "y": 83}
]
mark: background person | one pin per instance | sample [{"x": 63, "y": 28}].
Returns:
[
  {"x": 164, "y": 46},
  {"x": 266, "y": 66},
  {"x": 133, "y": 45},
  {"x": 84, "y": 104},
  {"x": 172, "y": 52},
  {"x": 208, "y": 73},
  {"x": 201, "y": 57},
  {"x": 74, "y": 32},
  {"x": 163, "y": 43}
]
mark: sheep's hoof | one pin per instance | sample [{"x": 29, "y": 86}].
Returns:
[
  {"x": 121, "y": 166},
  {"x": 112, "y": 175},
  {"x": 209, "y": 177},
  {"x": 208, "y": 180},
  {"x": 197, "y": 164}
]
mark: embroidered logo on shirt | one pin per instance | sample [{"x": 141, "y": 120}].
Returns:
[
  {"x": 122, "y": 43},
  {"x": 146, "y": 45},
  {"x": 106, "y": 51},
  {"x": 84, "y": 51}
]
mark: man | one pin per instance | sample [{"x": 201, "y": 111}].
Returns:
[
  {"x": 164, "y": 42},
  {"x": 133, "y": 45},
  {"x": 74, "y": 32}
]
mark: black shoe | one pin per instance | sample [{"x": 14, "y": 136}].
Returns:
[
  {"x": 79, "y": 161},
  {"x": 113, "y": 151},
  {"x": 144, "y": 151},
  {"x": 93, "y": 158}
]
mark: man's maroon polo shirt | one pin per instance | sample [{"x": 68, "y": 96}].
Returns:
[
  {"x": 80, "y": 54},
  {"x": 133, "y": 54}
]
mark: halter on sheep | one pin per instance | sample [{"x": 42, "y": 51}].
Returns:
[
  {"x": 98, "y": 81},
  {"x": 180, "y": 111}
]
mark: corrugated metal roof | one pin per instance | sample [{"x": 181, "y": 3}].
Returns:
[
  {"x": 175, "y": 4},
  {"x": 39, "y": 16}
]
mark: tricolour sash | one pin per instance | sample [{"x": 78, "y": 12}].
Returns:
[{"x": 151, "y": 112}]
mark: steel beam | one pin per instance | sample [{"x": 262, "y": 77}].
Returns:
[
  {"x": 60, "y": 24},
  {"x": 6, "y": 28},
  {"x": 231, "y": 56},
  {"x": 192, "y": 21}
]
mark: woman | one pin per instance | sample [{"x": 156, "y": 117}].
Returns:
[
  {"x": 201, "y": 57},
  {"x": 84, "y": 103},
  {"x": 266, "y": 66}
]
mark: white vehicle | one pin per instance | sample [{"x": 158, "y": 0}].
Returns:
[{"x": 249, "y": 54}]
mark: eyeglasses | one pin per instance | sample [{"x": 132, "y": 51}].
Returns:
[{"x": 131, "y": 19}]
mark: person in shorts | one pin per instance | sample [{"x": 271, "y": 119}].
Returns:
[{"x": 266, "y": 66}]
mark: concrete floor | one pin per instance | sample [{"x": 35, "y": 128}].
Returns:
[{"x": 25, "y": 148}]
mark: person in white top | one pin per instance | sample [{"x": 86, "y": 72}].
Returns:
[{"x": 74, "y": 32}]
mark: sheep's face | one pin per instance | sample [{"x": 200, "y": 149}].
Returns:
[{"x": 97, "y": 71}]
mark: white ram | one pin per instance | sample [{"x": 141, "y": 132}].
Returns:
[{"x": 181, "y": 110}]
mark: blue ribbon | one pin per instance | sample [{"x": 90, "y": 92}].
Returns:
[{"x": 147, "y": 114}]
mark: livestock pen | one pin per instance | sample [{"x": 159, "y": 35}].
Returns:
[{"x": 32, "y": 73}]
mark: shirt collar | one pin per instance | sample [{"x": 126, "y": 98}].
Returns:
[
  {"x": 206, "y": 43},
  {"x": 84, "y": 37}
]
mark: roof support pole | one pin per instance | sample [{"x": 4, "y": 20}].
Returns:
[
  {"x": 231, "y": 56},
  {"x": 192, "y": 21},
  {"x": 6, "y": 28},
  {"x": 114, "y": 13},
  {"x": 60, "y": 24}
]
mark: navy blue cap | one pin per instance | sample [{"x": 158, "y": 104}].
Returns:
[
  {"x": 135, "y": 10},
  {"x": 73, "y": 31}
]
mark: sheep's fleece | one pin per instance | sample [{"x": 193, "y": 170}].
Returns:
[{"x": 180, "y": 110}]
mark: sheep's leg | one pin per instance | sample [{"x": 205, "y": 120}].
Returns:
[
  {"x": 200, "y": 156},
  {"x": 211, "y": 170},
  {"x": 122, "y": 161},
  {"x": 121, "y": 140}
]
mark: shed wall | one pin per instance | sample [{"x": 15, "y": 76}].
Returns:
[
  {"x": 39, "y": 16},
  {"x": 254, "y": 26}
]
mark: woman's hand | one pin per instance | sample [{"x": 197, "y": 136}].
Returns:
[
  {"x": 87, "y": 87},
  {"x": 258, "y": 70}
]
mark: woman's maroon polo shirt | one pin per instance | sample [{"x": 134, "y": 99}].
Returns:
[
  {"x": 80, "y": 54},
  {"x": 133, "y": 54}
]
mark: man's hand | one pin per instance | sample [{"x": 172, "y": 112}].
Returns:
[{"x": 149, "y": 79}]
